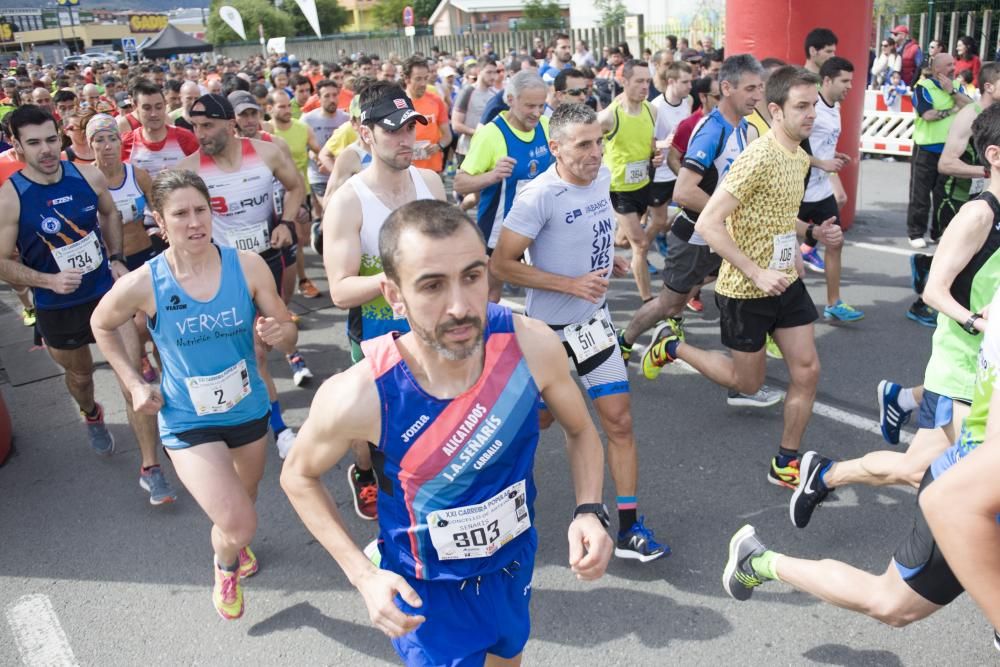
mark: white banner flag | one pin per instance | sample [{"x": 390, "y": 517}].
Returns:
[
  {"x": 232, "y": 17},
  {"x": 276, "y": 45},
  {"x": 308, "y": 8}
]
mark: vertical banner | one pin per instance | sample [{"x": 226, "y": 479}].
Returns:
[
  {"x": 232, "y": 17},
  {"x": 308, "y": 8}
]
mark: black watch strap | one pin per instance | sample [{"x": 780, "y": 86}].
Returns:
[
  {"x": 116, "y": 257},
  {"x": 598, "y": 509},
  {"x": 970, "y": 324}
]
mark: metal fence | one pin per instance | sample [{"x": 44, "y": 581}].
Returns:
[
  {"x": 328, "y": 49},
  {"x": 947, "y": 26}
]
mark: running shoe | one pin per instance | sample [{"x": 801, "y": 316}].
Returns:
[
  {"x": 372, "y": 552},
  {"x": 996, "y": 639},
  {"x": 316, "y": 237},
  {"x": 307, "y": 289},
  {"x": 148, "y": 372},
  {"x": 695, "y": 304},
  {"x": 626, "y": 350},
  {"x": 923, "y": 314},
  {"x": 890, "y": 415},
  {"x": 739, "y": 578},
  {"x": 772, "y": 349},
  {"x": 920, "y": 266},
  {"x": 764, "y": 397},
  {"x": 155, "y": 482},
  {"x": 101, "y": 440},
  {"x": 676, "y": 325},
  {"x": 841, "y": 312},
  {"x": 811, "y": 491},
  {"x": 248, "y": 563},
  {"x": 284, "y": 442},
  {"x": 918, "y": 244},
  {"x": 300, "y": 372},
  {"x": 28, "y": 317},
  {"x": 814, "y": 261},
  {"x": 637, "y": 543},
  {"x": 652, "y": 269},
  {"x": 661, "y": 245},
  {"x": 656, "y": 355},
  {"x": 227, "y": 594},
  {"x": 787, "y": 476},
  {"x": 365, "y": 495}
]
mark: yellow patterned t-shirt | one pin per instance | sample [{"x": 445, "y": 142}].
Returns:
[{"x": 769, "y": 181}]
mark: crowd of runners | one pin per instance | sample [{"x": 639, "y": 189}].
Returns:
[{"x": 167, "y": 211}]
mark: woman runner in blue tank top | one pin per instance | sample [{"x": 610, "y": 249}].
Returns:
[{"x": 202, "y": 304}]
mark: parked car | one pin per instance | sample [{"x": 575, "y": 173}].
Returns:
[{"x": 83, "y": 59}]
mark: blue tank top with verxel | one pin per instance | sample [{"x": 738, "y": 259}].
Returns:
[
  {"x": 210, "y": 373},
  {"x": 58, "y": 231},
  {"x": 533, "y": 158},
  {"x": 456, "y": 493}
]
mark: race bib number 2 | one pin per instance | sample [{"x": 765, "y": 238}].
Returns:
[
  {"x": 83, "y": 255},
  {"x": 478, "y": 531},
  {"x": 213, "y": 394}
]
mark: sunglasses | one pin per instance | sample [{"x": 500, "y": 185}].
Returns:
[{"x": 576, "y": 91}]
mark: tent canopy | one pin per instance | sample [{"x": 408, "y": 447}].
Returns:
[{"x": 173, "y": 41}]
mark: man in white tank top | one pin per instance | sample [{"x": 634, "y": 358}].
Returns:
[{"x": 352, "y": 221}]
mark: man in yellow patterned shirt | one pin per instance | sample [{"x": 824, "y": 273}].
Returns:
[{"x": 750, "y": 221}]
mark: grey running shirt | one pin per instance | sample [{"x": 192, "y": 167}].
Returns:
[{"x": 573, "y": 231}]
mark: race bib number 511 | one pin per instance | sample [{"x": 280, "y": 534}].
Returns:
[{"x": 478, "y": 531}]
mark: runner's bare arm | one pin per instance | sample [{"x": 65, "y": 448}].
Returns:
[
  {"x": 606, "y": 118},
  {"x": 967, "y": 531},
  {"x": 132, "y": 293},
  {"x": 959, "y": 136},
  {"x": 346, "y": 408},
  {"x": 434, "y": 184},
  {"x": 506, "y": 264},
  {"x": 327, "y": 158},
  {"x": 674, "y": 162},
  {"x": 284, "y": 170},
  {"x": 686, "y": 190},
  {"x": 274, "y": 325},
  {"x": 107, "y": 213},
  {"x": 964, "y": 236},
  {"x": 466, "y": 183},
  {"x": 342, "y": 252},
  {"x": 314, "y": 144},
  {"x": 12, "y": 271},
  {"x": 346, "y": 165},
  {"x": 590, "y": 545}
]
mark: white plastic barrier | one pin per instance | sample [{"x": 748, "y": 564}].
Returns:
[{"x": 886, "y": 132}]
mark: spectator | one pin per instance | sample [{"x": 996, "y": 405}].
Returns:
[
  {"x": 538, "y": 53},
  {"x": 893, "y": 92},
  {"x": 888, "y": 61},
  {"x": 583, "y": 57},
  {"x": 912, "y": 58},
  {"x": 966, "y": 57}
]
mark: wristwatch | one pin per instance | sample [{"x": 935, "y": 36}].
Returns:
[
  {"x": 116, "y": 257},
  {"x": 599, "y": 509},
  {"x": 970, "y": 324}
]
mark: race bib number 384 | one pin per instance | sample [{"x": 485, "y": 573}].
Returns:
[{"x": 478, "y": 531}]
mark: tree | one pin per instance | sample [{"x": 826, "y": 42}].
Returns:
[
  {"x": 422, "y": 9},
  {"x": 276, "y": 23},
  {"x": 332, "y": 17},
  {"x": 612, "y": 13},
  {"x": 389, "y": 13},
  {"x": 540, "y": 14}
]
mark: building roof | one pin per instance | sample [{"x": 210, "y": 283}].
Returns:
[{"x": 483, "y": 6}]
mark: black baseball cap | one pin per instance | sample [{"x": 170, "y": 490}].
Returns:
[
  {"x": 213, "y": 106},
  {"x": 392, "y": 112}
]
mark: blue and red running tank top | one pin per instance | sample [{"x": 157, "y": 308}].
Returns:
[
  {"x": 58, "y": 229},
  {"x": 473, "y": 453}
]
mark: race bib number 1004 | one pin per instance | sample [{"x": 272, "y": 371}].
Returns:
[{"x": 478, "y": 531}]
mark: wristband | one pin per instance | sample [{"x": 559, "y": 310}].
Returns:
[
  {"x": 116, "y": 257},
  {"x": 288, "y": 223},
  {"x": 970, "y": 324}
]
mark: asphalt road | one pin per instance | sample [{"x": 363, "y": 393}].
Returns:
[{"x": 130, "y": 583}]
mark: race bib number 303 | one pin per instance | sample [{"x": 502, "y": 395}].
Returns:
[
  {"x": 83, "y": 255},
  {"x": 213, "y": 394},
  {"x": 478, "y": 531}
]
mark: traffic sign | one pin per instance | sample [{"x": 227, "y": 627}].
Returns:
[
  {"x": 128, "y": 44},
  {"x": 409, "y": 31},
  {"x": 407, "y": 16}
]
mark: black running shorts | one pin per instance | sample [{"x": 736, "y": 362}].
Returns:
[
  {"x": 920, "y": 562},
  {"x": 636, "y": 201},
  {"x": 745, "y": 323},
  {"x": 233, "y": 436},
  {"x": 67, "y": 328},
  {"x": 661, "y": 193},
  {"x": 687, "y": 265},
  {"x": 817, "y": 212}
]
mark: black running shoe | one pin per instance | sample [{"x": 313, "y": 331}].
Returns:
[
  {"x": 739, "y": 578},
  {"x": 810, "y": 492}
]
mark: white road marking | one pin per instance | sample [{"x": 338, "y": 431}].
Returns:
[
  {"x": 39, "y": 636},
  {"x": 884, "y": 248},
  {"x": 828, "y": 411}
]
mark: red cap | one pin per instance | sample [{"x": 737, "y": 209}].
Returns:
[{"x": 901, "y": 28}]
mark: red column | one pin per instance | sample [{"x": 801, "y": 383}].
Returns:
[{"x": 777, "y": 28}]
